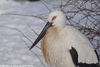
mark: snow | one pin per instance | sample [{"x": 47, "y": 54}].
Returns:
[{"x": 13, "y": 49}]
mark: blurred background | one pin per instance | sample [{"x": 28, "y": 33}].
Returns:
[{"x": 22, "y": 20}]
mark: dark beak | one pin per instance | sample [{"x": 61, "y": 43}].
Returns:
[{"x": 43, "y": 32}]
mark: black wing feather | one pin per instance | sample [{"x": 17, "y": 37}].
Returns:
[{"x": 74, "y": 56}]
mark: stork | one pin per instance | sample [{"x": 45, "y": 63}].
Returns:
[{"x": 65, "y": 46}]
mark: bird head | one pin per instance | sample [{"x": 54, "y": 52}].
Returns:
[{"x": 55, "y": 19}]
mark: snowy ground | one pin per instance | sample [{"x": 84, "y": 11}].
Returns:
[{"x": 13, "y": 50}]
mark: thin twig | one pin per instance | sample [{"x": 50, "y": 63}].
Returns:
[
  {"x": 34, "y": 53},
  {"x": 21, "y": 33},
  {"x": 33, "y": 30},
  {"x": 45, "y": 5},
  {"x": 38, "y": 17}
]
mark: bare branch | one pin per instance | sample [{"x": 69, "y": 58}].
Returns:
[
  {"x": 33, "y": 30},
  {"x": 38, "y": 17},
  {"x": 45, "y": 5},
  {"x": 21, "y": 33},
  {"x": 34, "y": 53}
]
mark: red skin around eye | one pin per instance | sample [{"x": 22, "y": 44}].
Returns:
[{"x": 53, "y": 18}]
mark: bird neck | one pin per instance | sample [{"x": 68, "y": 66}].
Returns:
[
  {"x": 60, "y": 27},
  {"x": 57, "y": 29}
]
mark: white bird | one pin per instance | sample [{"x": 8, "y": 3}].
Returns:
[{"x": 65, "y": 46}]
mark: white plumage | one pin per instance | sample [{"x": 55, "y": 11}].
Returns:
[{"x": 65, "y": 46}]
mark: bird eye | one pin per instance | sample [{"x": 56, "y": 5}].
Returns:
[{"x": 53, "y": 18}]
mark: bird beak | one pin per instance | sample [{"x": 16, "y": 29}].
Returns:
[{"x": 43, "y": 32}]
